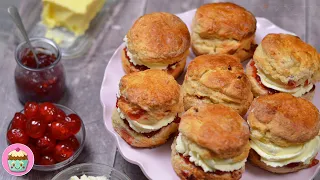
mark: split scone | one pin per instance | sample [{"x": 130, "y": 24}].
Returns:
[
  {"x": 156, "y": 41},
  {"x": 217, "y": 79},
  {"x": 223, "y": 28},
  {"x": 284, "y": 133},
  {"x": 213, "y": 144},
  {"x": 149, "y": 105},
  {"x": 284, "y": 63}
]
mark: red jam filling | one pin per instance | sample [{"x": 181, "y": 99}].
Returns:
[
  {"x": 150, "y": 134},
  {"x": 143, "y": 67},
  {"x": 291, "y": 84},
  {"x": 258, "y": 79}
]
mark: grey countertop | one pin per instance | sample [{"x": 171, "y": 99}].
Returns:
[{"x": 300, "y": 17}]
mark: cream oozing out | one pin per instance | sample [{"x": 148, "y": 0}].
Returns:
[
  {"x": 208, "y": 165},
  {"x": 276, "y": 156},
  {"x": 137, "y": 62},
  {"x": 297, "y": 91}
]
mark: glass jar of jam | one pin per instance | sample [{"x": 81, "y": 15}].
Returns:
[{"x": 45, "y": 81}]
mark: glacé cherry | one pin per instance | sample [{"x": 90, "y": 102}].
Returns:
[{"x": 17, "y": 136}]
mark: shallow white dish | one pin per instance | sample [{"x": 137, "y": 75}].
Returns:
[{"x": 155, "y": 163}]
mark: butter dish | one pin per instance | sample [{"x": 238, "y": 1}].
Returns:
[{"x": 74, "y": 38}]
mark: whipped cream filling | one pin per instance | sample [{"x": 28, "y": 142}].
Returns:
[
  {"x": 208, "y": 165},
  {"x": 144, "y": 128},
  {"x": 276, "y": 156},
  {"x": 137, "y": 62},
  {"x": 297, "y": 91}
]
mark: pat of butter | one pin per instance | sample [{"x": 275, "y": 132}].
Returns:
[{"x": 75, "y": 15}]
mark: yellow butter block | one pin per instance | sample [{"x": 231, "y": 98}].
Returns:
[{"x": 75, "y": 15}]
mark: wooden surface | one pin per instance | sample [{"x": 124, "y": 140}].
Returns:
[{"x": 300, "y": 17}]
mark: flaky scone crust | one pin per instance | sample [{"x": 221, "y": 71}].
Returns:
[
  {"x": 224, "y": 21},
  {"x": 283, "y": 119},
  {"x": 254, "y": 158},
  {"x": 136, "y": 139},
  {"x": 187, "y": 171},
  {"x": 150, "y": 89},
  {"x": 257, "y": 90},
  {"x": 286, "y": 57},
  {"x": 217, "y": 79},
  {"x": 174, "y": 72},
  {"x": 217, "y": 128},
  {"x": 158, "y": 38}
]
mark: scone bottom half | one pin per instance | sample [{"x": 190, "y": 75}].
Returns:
[{"x": 205, "y": 147}]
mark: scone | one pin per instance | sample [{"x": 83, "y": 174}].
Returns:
[
  {"x": 284, "y": 63},
  {"x": 284, "y": 133},
  {"x": 149, "y": 105},
  {"x": 223, "y": 28},
  {"x": 213, "y": 144},
  {"x": 156, "y": 41},
  {"x": 217, "y": 79}
]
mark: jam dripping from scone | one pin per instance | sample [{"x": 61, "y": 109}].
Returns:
[
  {"x": 143, "y": 67},
  {"x": 258, "y": 79}
]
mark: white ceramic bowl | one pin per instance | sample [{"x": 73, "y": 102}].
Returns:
[{"x": 90, "y": 169}]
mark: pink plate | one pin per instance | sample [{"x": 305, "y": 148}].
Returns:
[{"x": 155, "y": 163}]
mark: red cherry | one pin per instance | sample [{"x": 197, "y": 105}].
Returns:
[
  {"x": 48, "y": 112},
  {"x": 35, "y": 128},
  {"x": 72, "y": 141},
  {"x": 60, "y": 115},
  {"x": 59, "y": 131},
  {"x": 17, "y": 136},
  {"x": 19, "y": 121},
  {"x": 46, "y": 144},
  {"x": 36, "y": 152},
  {"x": 47, "y": 160},
  {"x": 62, "y": 152},
  {"x": 74, "y": 123},
  {"x": 31, "y": 109}
]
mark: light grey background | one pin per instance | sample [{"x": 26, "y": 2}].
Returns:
[{"x": 298, "y": 16}]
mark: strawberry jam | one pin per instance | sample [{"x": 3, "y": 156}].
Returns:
[
  {"x": 42, "y": 82},
  {"x": 258, "y": 79}
]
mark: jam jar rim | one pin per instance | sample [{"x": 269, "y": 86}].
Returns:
[{"x": 45, "y": 40}]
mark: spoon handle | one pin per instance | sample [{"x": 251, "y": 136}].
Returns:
[{"x": 14, "y": 13}]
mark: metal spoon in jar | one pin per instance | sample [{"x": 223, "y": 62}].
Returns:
[{"x": 14, "y": 13}]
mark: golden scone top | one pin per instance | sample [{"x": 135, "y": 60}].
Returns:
[
  {"x": 158, "y": 38},
  {"x": 224, "y": 21},
  {"x": 287, "y": 58},
  {"x": 150, "y": 89},
  {"x": 283, "y": 119},
  {"x": 217, "y": 128},
  {"x": 210, "y": 75}
]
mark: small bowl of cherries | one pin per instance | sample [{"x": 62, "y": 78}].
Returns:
[{"x": 53, "y": 132}]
